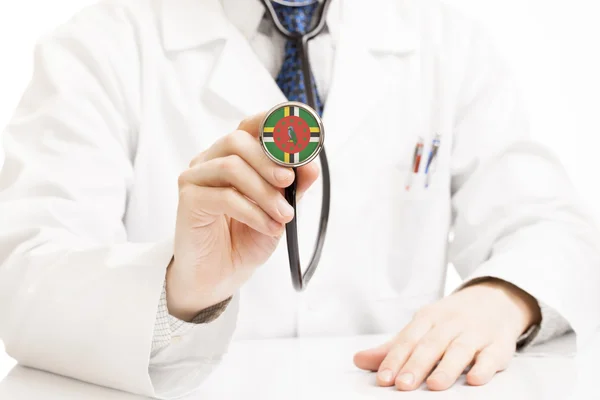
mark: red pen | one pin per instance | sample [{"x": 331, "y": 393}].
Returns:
[{"x": 416, "y": 162}]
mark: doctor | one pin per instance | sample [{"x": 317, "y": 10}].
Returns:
[{"x": 141, "y": 222}]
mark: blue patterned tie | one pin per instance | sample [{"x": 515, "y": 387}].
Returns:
[{"x": 296, "y": 19}]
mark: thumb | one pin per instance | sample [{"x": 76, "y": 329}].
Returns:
[{"x": 370, "y": 359}]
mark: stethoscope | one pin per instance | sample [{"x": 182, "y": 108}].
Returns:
[{"x": 300, "y": 280}]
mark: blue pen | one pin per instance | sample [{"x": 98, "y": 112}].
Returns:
[{"x": 435, "y": 145}]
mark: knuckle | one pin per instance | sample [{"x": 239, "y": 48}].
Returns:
[
  {"x": 229, "y": 195},
  {"x": 410, "y": 342},
  {"x": 234, "y": 140},
  {"x": 417, "y": 364},
  {"x": 229, "y": 141},
  {"x": 454, "y": 325},
  {"x": 423, "y": 314},
  {"x": 500, "y": 352},
  {"x": 196, "y": 160},
  {"x": 186, "y": 193},
  {"x": 245, "y": 121},
  {"x": 184, "y": 179},
  {"x": 455, "y": 317},
  {"x": 390, "y": 361},
  {"x": 463, "y": 346},
  {"x": 230, "y": 164},
  {"x": 426, "y": 347},
  {"x": 407, "y": 339},
  {"x": 250, "y": 209}
]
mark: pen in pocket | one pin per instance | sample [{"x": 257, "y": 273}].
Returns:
[
  {"x": 416, "y": 161},
  {"x": 433, "y": 154}
]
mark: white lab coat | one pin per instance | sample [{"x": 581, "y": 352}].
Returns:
[{"x": 127, "y": 93}]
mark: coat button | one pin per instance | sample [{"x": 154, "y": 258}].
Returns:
[{"x": 175, "y": 339}]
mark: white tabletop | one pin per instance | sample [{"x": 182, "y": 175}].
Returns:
[{"x": 322, "y": 368}]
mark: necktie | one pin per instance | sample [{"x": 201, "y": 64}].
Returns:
[{"x": 296, "y": 19}]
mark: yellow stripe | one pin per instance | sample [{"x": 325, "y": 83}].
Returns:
[
  {"x": 286, "y": 111},
  {"x": 269, "y": 129},
  {"x": 286, "y": 157},
  {"x": 314, "y": 129}
]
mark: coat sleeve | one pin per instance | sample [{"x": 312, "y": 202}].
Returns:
[
  {"x": 76, "y": 297},
  {"x": 516, "y": 215}
]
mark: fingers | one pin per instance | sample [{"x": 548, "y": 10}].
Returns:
[
  {"x": 457, "y": 358},
  {"x": 234, "y": 171},
  {"x": 492, "y": 359},
  {"x": 244, "y": 145},
  {"x": 228, "y": 201},
  {"x": 407, "y": 361},
  {"x": 403, "y": 347},
  {"x": 238, "y": 161},
  {"x": 425, "y": 355}
]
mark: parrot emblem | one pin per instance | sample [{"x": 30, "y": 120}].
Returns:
[{"x": 292, "y": 135}]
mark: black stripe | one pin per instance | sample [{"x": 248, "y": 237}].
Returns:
[
  {"x": 315, "y": 134},
  {"x": 267, "y": 134}
]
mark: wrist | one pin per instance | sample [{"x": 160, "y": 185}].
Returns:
[
  {"x": 185, "y": 301},
  {"x": 176, "y": 303},
  {"x": 520, "y": 303}
]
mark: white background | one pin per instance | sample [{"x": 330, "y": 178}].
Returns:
[{"x": 553, "y": 47}]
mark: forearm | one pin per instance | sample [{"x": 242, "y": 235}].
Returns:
[
  {"x": 555, "y": 266},
  {"x": 96, "y": 304}
]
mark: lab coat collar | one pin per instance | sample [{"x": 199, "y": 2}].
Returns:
[
  {"x": 246, "y": 19},
  {"x": 388, "y": 26},
  {"x": 185, "y": 24}
]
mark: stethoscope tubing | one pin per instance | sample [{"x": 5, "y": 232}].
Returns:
[{"x": 300, "y": 280}]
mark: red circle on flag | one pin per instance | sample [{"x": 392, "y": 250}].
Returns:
[{"x": 291, "y": 134}]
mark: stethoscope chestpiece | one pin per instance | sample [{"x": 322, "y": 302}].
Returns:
[{"x": 292, "y": 134}]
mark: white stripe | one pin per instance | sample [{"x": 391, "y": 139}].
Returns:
[
  {"x": 296, "y": 111},
  {"x": 269, "y": 139},
  {"x": 296, "y": 157},
  {"x": 314, "y": 139}
]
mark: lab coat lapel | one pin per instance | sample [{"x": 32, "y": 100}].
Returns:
[
  {"x": 354, "y": 87},
  {"x": 369, "y": 31},
  {"x": 238, "y": 84},
  {"x": 240, "y": 80}
]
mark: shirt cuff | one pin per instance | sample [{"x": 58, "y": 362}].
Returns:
[
  {"x": 552, "y": 324},
  {"x": 168, "y": 327}
]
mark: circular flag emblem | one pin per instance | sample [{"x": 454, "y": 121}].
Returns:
[{"x": 292, "y": 134}]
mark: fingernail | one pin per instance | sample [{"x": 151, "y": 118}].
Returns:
[
  {"x": 406, "y": 378},
  {"x": 283, "y": 175},
  {"x": 386, "y": 376},
  {"x": 284, "y": 207}
]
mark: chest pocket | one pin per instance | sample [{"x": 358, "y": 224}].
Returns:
[{"x": 413, "y": 262}]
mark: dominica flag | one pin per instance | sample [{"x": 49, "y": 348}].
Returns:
[{"x": 292, "y": 134}]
